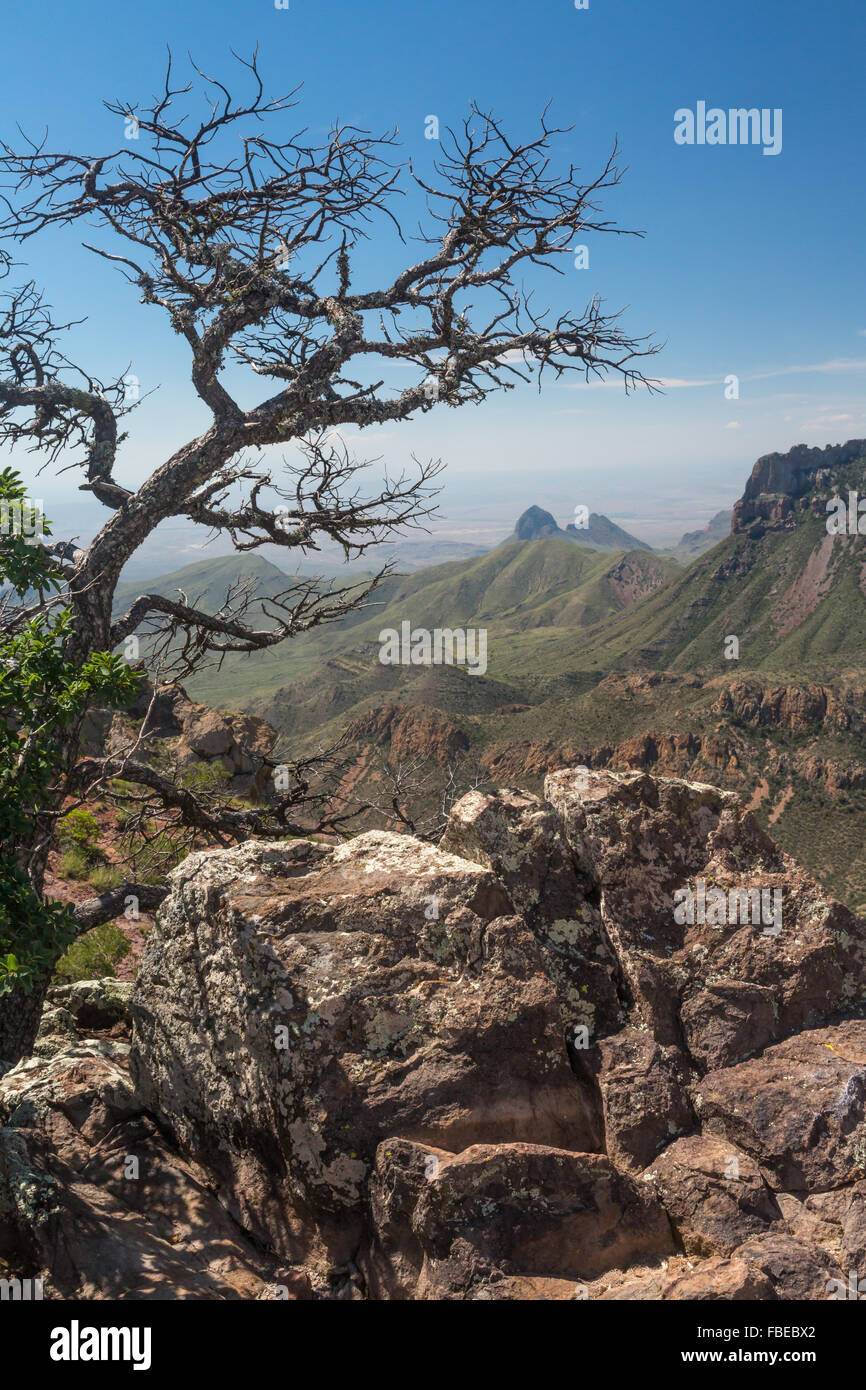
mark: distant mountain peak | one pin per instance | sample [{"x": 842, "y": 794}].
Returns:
[
  {"x": 600, "y": 533},
  {"x": 695, "y": 543},
  {"x": 535, "y": 524}
]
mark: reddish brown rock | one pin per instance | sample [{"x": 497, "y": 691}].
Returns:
[
  {"x": 799, "y": 1109},
  {"x": 734, "y": 1281},
  {"x": 358, "y": 1059},
  {"x": 508, "y": 1209},
  {"x": 727, "y": 1021},
  {"x": 713, "y": 1193},
  {"x": 796, "y": 1270},
  {"x": 94, "y": 1202},
  {"x": 644, "y": 1103},
  {"x": 410, "y": 731},
  {"x": 726, "y": 988}
]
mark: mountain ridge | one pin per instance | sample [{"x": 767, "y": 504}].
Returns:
[{"x": 600, "y": 533}]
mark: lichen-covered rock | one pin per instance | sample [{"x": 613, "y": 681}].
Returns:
[
  {"x": 94, "y": 1202},
  {"x": 57, "y": 1030},
  {"x": 519, "y": 837},
  {"x": 723, "y": 986},
  {"x": 97, "y": 1005},
  {"x": 503, "y": 1068},
  {"x": 297, "y": 1003}
]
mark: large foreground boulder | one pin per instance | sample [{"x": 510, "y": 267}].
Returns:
[{"x": 297, "y": 1004}]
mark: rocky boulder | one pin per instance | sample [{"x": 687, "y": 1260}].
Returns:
[
  {"x": 164, "y": 718},
  {"x": 799, "y": 1109},
  {"x": 519, "y": 837},
  {"x": 446, "y": 1223},
  {"x": 96, "y": 1204},
  {"x": 297, "y": 1004},
  {"x": 711, "y": 966},
  {"x": 713, "y": 1193}
]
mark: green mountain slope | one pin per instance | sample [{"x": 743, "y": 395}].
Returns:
[
  {"x": 520, "y": 587},
  {"x": 206, "y": 582},
  {"x": 793, "y": 596}
]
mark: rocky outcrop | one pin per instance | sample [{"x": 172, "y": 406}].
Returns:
[
  {"x": 165, "y": 721},
  {"x": 777, "y": 481},
  {"x": 507, "y": 1067},
  {"x": 410, "y": 731},
  {"x": 696, "y": 985},
  {"x": 799, "y": 708},
  {"x": 664, "y": 754},
  {"x": 520, "y": 838},
  {"x": 97, "y": 1205},
  {"x": 331, "y": 998}
]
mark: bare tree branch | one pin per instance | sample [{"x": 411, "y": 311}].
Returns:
[{"x": 104, "y": 908}]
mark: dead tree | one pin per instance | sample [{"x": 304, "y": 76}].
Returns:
[{"x": 245, "y": 238}]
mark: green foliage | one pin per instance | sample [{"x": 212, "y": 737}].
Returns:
[
  {"x": 93, "y": 956},
  {"x": 106, "y": 876},
  {"x": 79, "y": 829},
  {"x": 204, "y": 777},
  {"x": 75, "y": 864},
  {"x": 41, "y": 694}
]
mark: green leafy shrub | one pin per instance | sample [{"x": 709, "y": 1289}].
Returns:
[
  {"x": 79, "y": 829},
  {"x": 93, "y": 956}
]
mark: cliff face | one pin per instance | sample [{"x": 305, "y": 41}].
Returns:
[
  {"x": 777, "y": 481},
  {"x": 511, "y": 1066}
]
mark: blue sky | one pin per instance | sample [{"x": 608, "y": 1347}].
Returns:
[{"x": 751, "y": 264}]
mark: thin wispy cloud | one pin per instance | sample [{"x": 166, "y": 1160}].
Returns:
[
  {"x": 832, "y": 420},
  {"x": 835, "y": 366}
]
